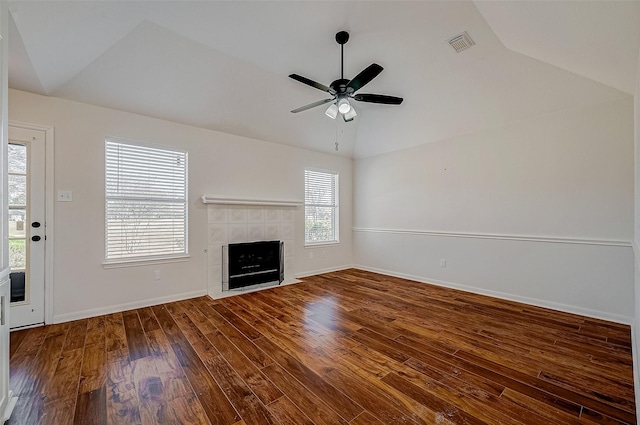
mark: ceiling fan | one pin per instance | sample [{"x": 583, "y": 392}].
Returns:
[{"x": 342, "y": 90}]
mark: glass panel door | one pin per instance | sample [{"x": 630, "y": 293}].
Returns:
[{"x": 26, "y": 213}]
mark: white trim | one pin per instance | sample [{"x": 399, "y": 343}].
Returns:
[
  {"x": 84, "y": 314},
  {"x": 636, "y": 365},
  {"x": 320, "y": 244},
  {"x": 4, "y": 274},
  {"x": 510, "y": 297},
  {"x": 635, "y": 333},
  {"x": 326, "y": 270},
  {"x": 525, "y": 238},
  {"x": 49, "y": 212},
  {"x": 29, "y": 126},
  {"x": 49, "y": 209},
  {"x": 116, "y": 264},
  {"x": 221, "y": 200}
]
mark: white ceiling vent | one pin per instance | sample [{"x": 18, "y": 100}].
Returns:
[{"x": 461, "y": 42}]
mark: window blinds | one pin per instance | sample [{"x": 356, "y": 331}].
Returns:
[{"x": 146, "y": 208}]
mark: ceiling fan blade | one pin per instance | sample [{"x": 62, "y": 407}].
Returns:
[
  {"x": 309, "y": 82},
  {"x": 378, "y": 98},
  {"x": 368, "y": 74},
  {"x": 312, "y": 105}
]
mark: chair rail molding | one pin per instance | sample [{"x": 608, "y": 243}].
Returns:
[{"x": 525, "y": 238}]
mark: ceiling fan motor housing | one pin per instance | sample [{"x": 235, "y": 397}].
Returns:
[
  {"x": 340, "y": 86},
  {"x": 342, "y": 37}
]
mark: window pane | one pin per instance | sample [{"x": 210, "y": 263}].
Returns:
[
  {"x": 139, "y": 228},
  {"x": 146, "y": 209},
  {"x": 321, "y": 206},
  {"x": 17, "y": 159},
  {"x": 17, "y": 225},
  {"x": 17, "y": 254},
  {"x": 17, "y": 190},
  {"x": 18, "y": 287},
  {"x": 319, "y": 224}
]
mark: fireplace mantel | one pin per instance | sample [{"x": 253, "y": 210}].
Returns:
[{"x": 221, "y": 200}]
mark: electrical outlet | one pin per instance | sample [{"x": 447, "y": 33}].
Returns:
[
  {"x": 443, "y": 263},
  {"x": 323, "y": 253},
  {"x": 310, "y": 255},
  {"x": 156, "y": 275}
]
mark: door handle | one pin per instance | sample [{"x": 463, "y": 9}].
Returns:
[
  {"x": 2, "y": 308},
  {"x": 35, "y": 238}
]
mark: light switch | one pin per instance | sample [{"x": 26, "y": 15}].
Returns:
[{"x": 65, "y": 196}]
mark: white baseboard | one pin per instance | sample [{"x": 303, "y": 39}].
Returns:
[
  {"x": 636, "y": 366},
  {"x": 84, "y": 314},
  {"x": 635, "y": 336},
  {"x": 327, "y": 270},
  {"x": 510, "y": 297}
]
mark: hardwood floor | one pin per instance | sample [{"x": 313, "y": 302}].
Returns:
[{"x": 349, "y": 347}]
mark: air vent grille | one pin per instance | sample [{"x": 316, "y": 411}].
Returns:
[{"x": 461, "y": 42}]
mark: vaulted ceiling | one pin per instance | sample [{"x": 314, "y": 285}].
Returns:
[{"x": 224, "y": 65}]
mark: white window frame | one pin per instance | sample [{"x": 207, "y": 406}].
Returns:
[
  {"x": 335, "y": 206},
  {"x": 149, "y": 257}
]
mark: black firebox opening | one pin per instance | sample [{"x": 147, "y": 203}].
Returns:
[{"x": 255, "y": 262}]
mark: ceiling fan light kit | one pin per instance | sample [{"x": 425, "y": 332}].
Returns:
[
  {"x": 332, "y": 111},
  {"x": 350, "y": 115},
  {"x": 343, "y": 106},
  {"x": 342, "y": 90}
]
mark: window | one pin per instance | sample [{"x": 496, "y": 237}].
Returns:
[
  {"x": 145, "y": 201},
  {"x": 320, "y": 207},
  {"x": 18, "y": 211}
]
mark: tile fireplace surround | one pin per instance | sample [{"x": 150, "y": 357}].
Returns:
[{"x": 235, "y": 221}]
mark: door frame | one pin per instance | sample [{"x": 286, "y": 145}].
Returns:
[{"x": 49, "y": 206}]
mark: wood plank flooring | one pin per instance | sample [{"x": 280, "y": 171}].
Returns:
[{"x": 349, "y": 347}]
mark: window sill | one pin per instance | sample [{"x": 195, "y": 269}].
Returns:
[
  {"x": 321, "y": 244},
  {"x": 115, "y": 264}
]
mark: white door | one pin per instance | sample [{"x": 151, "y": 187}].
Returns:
[{"x": 26, "y": 171}]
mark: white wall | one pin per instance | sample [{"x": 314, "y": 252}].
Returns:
[
  {"x": 540, "y": 210},
  {"x": 219, "y": 164}
]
